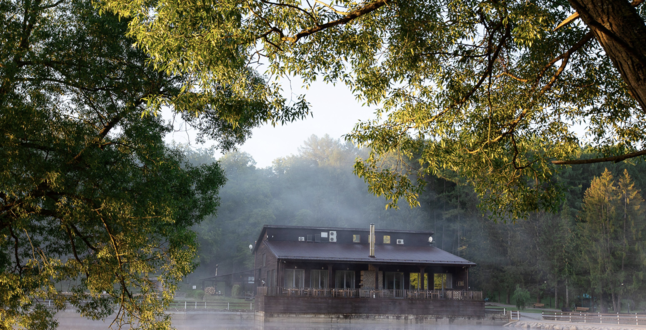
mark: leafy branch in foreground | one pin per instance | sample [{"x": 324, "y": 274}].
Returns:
[
  {"x": 487, "y": 90},
  {"x": 90, "y": 195}
]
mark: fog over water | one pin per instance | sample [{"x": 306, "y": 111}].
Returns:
[{"x": 71, "y": 321}]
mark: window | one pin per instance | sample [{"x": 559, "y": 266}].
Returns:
[
  {"x": 294, "y": 278},
  {"x": 386, "y": 239},
  {"x": 344, "y": 279},
  {"x": 356, "y": 238},
  {"x": 264, "y": 260},
  {"x": 400, "y": 241},
  {"x": 394, "y": 281},
  {"x": 442, "y": 281},
  {"x": 323, "y": 234},
  {"x": 318, "y": 279},
  {"x": 301, "y": 238},
  {"x": 415, "y": 283},
  {"x": 309, "y": 238},
  {"x": 250, "y": 279},
  {"x": 460, "y": 283}
]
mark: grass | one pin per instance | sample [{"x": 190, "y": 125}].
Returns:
[{"x": 526, "y": 310}]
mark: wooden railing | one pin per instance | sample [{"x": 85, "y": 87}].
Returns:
[
  {"x": 581, "y": 317},
  {"x": 365, "y": 293}
]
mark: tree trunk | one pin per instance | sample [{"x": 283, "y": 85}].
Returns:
[
  {"x": 567, "y": 297},
  {"x": 556, "y": 295},
  {"x": 507, "y": 302},
  {"x": 620, "y": 31}
]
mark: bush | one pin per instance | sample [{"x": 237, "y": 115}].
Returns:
[
  {"x": 235, "y": 291},
  {"x": 521, "y": 296},
  {"x": 198, "y": 294}
]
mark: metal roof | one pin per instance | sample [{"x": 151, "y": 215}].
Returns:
[
  {"x": 265, "y": 227},
  {"x": 351, "y": 229},
  {"x": 429, "y": 255}
]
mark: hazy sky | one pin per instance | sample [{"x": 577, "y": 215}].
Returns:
[{"x": 335, "y": 113}]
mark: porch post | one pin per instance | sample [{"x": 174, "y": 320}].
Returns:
[
  {"x": 330, "y": 276},
  {"x": 279, "y": 277},
  {"x": 422, "y": 282}
]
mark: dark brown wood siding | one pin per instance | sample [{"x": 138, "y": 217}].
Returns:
[
  {"x": 270, "y": 263},
  {"x": 329, "y": 305}
]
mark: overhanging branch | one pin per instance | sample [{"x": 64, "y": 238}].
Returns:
[
  {"x": 615, "y": 159},
  {"x": 349, "y": 17}
]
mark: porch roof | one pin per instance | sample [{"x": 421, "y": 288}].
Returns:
[{"x": 427, "y": 255}]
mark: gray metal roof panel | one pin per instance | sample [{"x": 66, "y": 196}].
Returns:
[{"x": 359, "y": 253}]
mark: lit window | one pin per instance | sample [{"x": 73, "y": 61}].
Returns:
[
  {"x": 386, "y": 239},
  {"x": 356, "y": 238},
  {"x": 400, "y": 241}
]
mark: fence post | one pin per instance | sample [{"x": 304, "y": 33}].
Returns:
[
  {"x": 584, "y": 317},
  {"x": 185, "y": 305},
  {"x": 196, "y": 305},
  {"x": 600, "y": 318},
  {"x": 617, "y": 317},
  {"x": 636, "y": 319},
  {"x": 205, "y": 305},
  {"x": 227, "y": 305}
]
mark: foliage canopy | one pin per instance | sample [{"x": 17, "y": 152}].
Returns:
[
  {"x": 484, "y": 89},
  {"x": 90, "y": 195}
]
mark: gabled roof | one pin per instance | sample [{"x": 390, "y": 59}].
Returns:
[{"x": 359, "y": 253}]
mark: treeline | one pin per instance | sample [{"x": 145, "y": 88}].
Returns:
[{"x": 588, "y": 252}]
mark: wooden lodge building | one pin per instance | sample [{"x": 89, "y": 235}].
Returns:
[{"x": 317, "y": 271}]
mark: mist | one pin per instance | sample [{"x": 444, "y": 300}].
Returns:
[
  {"x": 543, "y": 253},
  {"x": 72, "y": 321}
]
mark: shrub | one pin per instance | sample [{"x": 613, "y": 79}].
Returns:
[
  {"x": 235, "y": 291},
  {"x": 521, "y": 296},
  {"x": 198, "y": 294}
]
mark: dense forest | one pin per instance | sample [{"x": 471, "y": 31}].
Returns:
[{"x": 590, "y": 249}]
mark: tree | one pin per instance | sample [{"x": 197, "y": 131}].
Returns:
[
  {"x": 612, "y": 226},
  {"x": 489, "y": 90},
  {"x": 90, "y": 195},
  {"x": 521, "y": 297}
]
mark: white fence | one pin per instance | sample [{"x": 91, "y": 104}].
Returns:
[{"x": 631, "y": 319}]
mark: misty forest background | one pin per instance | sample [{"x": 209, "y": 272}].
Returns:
[{"x": 592, "y": 245}]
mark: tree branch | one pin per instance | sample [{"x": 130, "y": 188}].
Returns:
[
  {"x": 349, "y": 17},
  {"x": 615, "y": 159}
]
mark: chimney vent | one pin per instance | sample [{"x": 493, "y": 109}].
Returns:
[{"x": 371, "y": 239}]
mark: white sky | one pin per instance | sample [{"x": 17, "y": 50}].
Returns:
[{"x": 335, "y": 110}]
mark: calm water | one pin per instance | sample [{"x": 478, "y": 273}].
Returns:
[{"x": 70, "y": 321}]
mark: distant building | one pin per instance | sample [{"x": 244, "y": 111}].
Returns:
[{"x": 318, "y": 270}]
